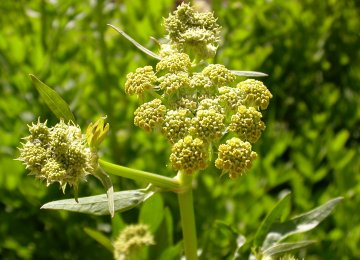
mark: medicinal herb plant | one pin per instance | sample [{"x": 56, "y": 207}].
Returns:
[{"x": 205, "y": 112}]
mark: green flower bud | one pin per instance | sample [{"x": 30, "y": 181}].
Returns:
[
  {"x": 34, "y": 156},
  {"x": 211, "y": 104},
  {"x": 190, "y": 30},
  {"x": 254, "y": 93},
  {"x": 167, "y": 50},
  {"x": 235, "y": 157},
  {"x": 131, "y": 240},
  {"x": 39, "y": 132},
  {"x": 219, "y": 74},
  {"x": 186, "y": 103},
  {"x": 176, "y": 124},
  {"x": 171, "y": 82},
  {"x": 207, "y": 125},
  {"x": 229, "y": 98},
  {"x": 200, "y": 82},
  {"x": 247, "y": 124},
  {"x": 174, "y": 62},
  {"x": 139, "y": 81},
  {"x": 189, "y": 155},
  {"x": 150, "y": 115},
  {"x": 53, "y": 171},
  {"x": 63, "y": 158}
]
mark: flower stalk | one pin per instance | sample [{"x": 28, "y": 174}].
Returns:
[
  {"x": 186, "y": 206},
  {"x": 138, "y": 175}
]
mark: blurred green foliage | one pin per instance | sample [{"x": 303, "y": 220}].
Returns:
[{"x": 309, "y": 48}]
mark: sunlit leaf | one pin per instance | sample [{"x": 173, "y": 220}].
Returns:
[
  {"x": 273, "y": 216},
  {"x": 98, "y": 205},
  {"x": 138, "y": 45},
  {"x": 246, "y": 73},
  {"x": 283, "y": 248},
  {"x": 300, "y": 224},
  {"x": 100, "y": 238},
  {"x": 53, "y": 100}
]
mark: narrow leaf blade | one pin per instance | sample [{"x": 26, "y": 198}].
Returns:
[
  {"x": 273, "y": 216},
  {"x": 283, "y": 248},
  {"x": 137, "y": 45},
  {"x": 53, "y": 100},
  {"x": 246, "y": 73},
  {"x": 301, "y": 223},
  {"x": 98, "y": 205},
  {"x": 100, "y": 238}
]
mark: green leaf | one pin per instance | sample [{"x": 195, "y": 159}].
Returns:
[
  {"x": 106, "y": 182},
  {"x": 100, "y": 238},
  {"x": 98, "y": 205},
  {"x": 272, "y": 217},
  {"x": 300, "y": 224},
  {"x": 53, "y": 100},
  {"x": 172, "y": 253},
  {"x": 138, "y": 45},
  {"x": 152, "y": 212},
  {"x": 246, "y": 73},
  {"x": 283, "y": 248}
]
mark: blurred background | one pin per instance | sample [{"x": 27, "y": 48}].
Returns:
[{"x": 309, "y": 48}]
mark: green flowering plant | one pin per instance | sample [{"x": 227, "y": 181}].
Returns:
[{"x": 208, "y": 116}]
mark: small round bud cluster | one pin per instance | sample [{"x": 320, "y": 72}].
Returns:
[
  {"x": 254, "y": 93},
  {"x": 132, "y": 239},
  {"x": 58, "y": 154},
  {"x": 199, "y": 106},
  {"x": 247, "y": 124},
  {"x": 141, "y": 80},
  {"x": 189, "y": 155},
  {"x": 150, "y": 115},
  {"x": 235, "y": 157},
  {"x": 176, "y": 124},
  {"x": 211, "y": 104},
  {"x": 229, "y": 97},
  {"x": 219, "y": 74},
  {"x": 200, "y": 82},
  {"x": 208, "y": 125},
  {"x": 185, "y": 102},
  {"x": 174, "y": 62},
  {"x": 189, "y": 30},
  {"x": 173, "y": 82}
]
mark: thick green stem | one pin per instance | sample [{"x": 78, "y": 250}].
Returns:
[
  {"x": 187, "y": 216},
  {"x": 155, "y": 179}
]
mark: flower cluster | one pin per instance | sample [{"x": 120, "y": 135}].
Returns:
[
  {"x": 58, "y": 154},
  {"x": 132, "y": 239},
  {"x": 190, "y": 31},
  {"x": 199, "y": 110}
]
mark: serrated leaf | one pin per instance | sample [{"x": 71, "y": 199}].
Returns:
[
  {"x": 98, "y": 205},
  {"x": 106, "y": 182},
  {"x": 100, "y": 238},
  {"x": 138, "y": 45},
  {"x": 53, "y": 100},
  {"x": 246, "y": 73},
  {"x": 274, "y": 216},
  {"x": 283, "y": 248},
  {"x": 300, "y": 224}
]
